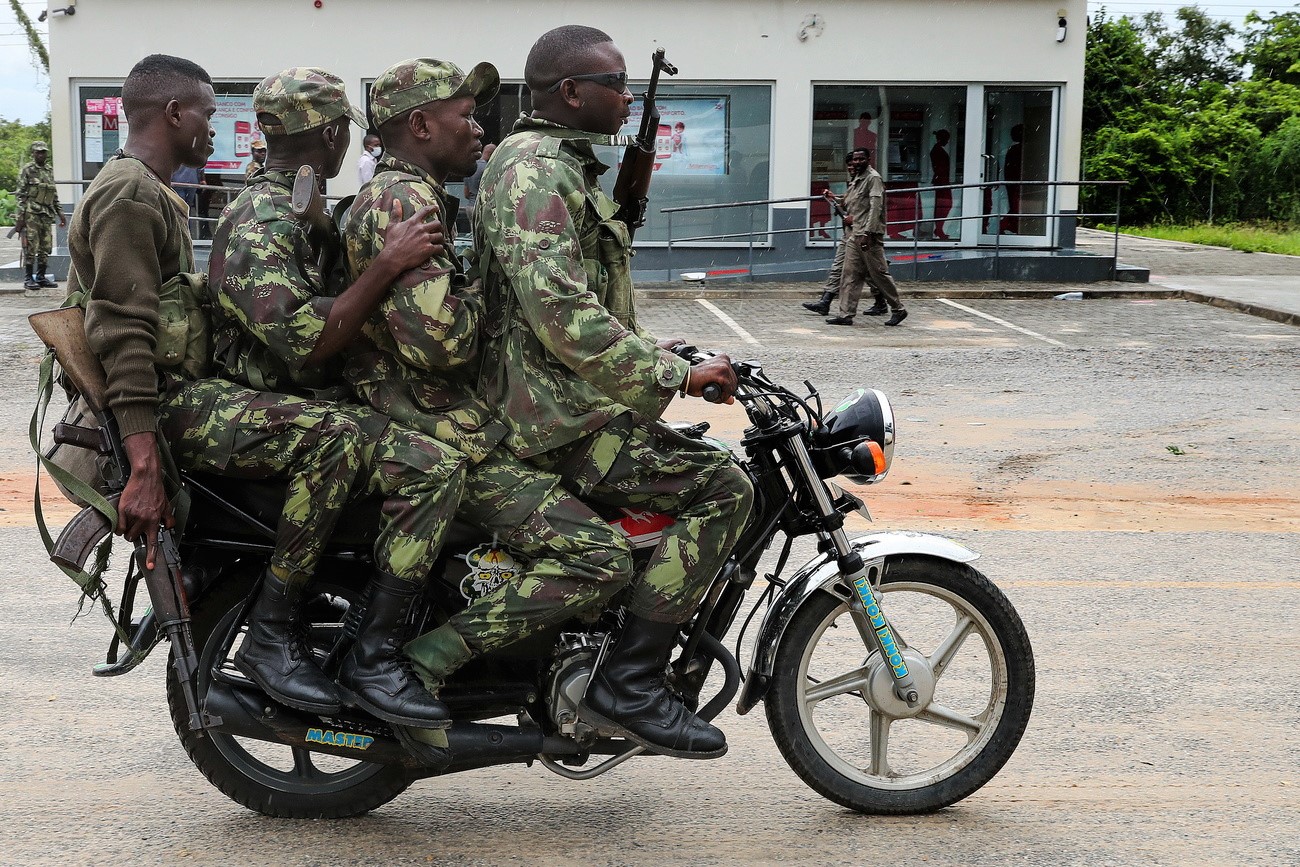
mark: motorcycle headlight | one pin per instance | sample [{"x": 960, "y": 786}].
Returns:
[{"x": 856, "y": 438}]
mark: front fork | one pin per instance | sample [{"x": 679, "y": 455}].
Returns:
[{"x": 864, "y": 605}]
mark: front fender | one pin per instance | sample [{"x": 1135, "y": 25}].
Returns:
[{"x": 822, "y": 573}]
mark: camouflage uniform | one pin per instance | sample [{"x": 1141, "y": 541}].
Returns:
[
  {"x": 272, "y": 302},
  {"x": 580, "y": 383},
  {"x": 38, "y": 208},
  {"x": 423, "y": 371},
  {"x": 255, "y": 166}
]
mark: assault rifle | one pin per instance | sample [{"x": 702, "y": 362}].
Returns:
[
  {"x": 632, "y": 187},
  {"x": 64, "y": 332}
]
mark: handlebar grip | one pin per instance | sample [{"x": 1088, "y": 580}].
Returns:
[{"x": 712, "y": 393}]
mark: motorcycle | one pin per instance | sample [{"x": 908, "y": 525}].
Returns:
[{"x": 896, "y": 678}]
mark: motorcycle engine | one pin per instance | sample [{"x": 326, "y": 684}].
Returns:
[{"x": 567, "y": 680}]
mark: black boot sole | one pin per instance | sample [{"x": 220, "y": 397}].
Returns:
[
  {"x": 415, "y": 722},
  {"x": 590, "y": 716},
  {"x": 296, "y": 704}
]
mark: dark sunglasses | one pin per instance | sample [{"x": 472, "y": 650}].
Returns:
[{"x": 616, "y": 81}]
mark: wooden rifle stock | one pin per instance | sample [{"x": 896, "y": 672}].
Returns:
[
  {"x": 632, "y": 186},
  {"x": 64, "y": 332}
]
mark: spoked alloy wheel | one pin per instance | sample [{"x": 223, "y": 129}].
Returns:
[
  {"x": 272, "y": 778},
  {"x": 836, "y": 718}
]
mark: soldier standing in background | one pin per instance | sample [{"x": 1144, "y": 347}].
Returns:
[
  {"x": 281, "y": 322},
  {"x": 38, "y": 208},
  {"x": 582, "y": 386},
  {"x": 424, "y": 372},
  {"x": 257, "y": 164}
]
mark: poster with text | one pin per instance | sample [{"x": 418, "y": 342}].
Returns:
[
  {"x": 236, "y": 126},
  {"x": 692, "y": 136}
]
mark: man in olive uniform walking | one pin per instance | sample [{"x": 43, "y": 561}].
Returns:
[
  {"x": 282, "y": 322},
  {"x": 424, "y": 371},
  {"x": 864, "y": 245},
  {"x": 582, "y": 385},
  {"x": 38, "y": 208}
]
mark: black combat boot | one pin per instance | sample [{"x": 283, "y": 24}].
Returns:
[
  {"x": 822, "y": 306},
  {"x": 898, "y": 317},
  {"x": 29, "y": 281},
  {"x": 840, "y": 320},
  {"x": 275, "y": 655},
  {"x": 42, "y": 279},
  {"x": 877, "y": 309},
  {"x": 379, "y": 677},
  {"x": 630, "y": 693}
]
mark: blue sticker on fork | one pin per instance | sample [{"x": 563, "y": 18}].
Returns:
[{"x": 883, "y": 632}]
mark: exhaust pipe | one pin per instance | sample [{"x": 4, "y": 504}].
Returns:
[{"x": 248, "y": 713}]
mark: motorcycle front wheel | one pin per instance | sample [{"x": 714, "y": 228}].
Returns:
[
  {"x": 840, "y": 726},
  {"x": 271, "y": 778}
]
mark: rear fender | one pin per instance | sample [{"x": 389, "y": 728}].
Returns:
[{"x": 821, "y": 574}]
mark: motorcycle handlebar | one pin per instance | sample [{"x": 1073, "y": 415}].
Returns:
[{"x": 711, "y": 392}]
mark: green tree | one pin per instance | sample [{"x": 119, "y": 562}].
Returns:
[
  {"x": 1272, "y": 47},
  {"x": 1119, "y": 73},
  {"x": 15, "y": 142},
  {"x": 1200, "y": 49}
]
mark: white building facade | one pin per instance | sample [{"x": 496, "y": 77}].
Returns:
[{"x": 771, "y": 96}]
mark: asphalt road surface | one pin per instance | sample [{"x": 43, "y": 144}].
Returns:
[{"x": 1127, "y": 470}]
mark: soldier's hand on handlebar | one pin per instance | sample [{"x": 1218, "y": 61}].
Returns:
[
  {"x": 670, "y": 343},
  {"x": 413, "y": 243},
  {"x": 715, "y": 372}
]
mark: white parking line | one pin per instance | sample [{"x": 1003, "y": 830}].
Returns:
[
  {"x": 730, "y": 323},
  {"x": 1004, "y": 323}
]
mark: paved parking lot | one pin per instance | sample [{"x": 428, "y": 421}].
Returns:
[
  {"x": 1125, "y": 467},
  {"x": 952, "y": 323}
]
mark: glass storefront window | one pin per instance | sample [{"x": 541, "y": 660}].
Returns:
[
  {"x": 102, "y": 127},
  {"x": 714, "y": 141},
  {"x": 917, "y": 138}
]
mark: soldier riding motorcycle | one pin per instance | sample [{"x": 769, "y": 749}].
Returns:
[{"x": 850, "y": 652}]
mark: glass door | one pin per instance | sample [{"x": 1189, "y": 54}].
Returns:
[{"x": 1019, "y": 145}]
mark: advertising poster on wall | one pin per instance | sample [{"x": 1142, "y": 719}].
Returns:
[
  {"x": 692, "y": 136},
  {"x": 236, "y": 126}
]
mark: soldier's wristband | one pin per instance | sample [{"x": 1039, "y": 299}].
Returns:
[{"x": 686, "y": 383}]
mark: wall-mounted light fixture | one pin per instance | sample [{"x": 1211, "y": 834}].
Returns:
[
  {"x": 70, "y": 9},
  {"x": 1061, "y": 24}
]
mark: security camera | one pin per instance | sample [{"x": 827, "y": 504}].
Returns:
[{"x": 1060, "y": 29}]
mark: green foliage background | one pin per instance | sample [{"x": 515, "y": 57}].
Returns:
[
  {"x": 15, "y": 140},
  {"x": 1202, "y": 119}
]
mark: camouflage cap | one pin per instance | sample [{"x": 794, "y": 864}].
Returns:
[
  {"x": 40, "y": 146},
  {"x": 413, "y": 83},
  {"x": 303, "y": 98},
  {"x": 257, "y": 144}
]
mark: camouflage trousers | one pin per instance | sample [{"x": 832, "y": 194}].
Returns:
[
  {"x": 574, "y": 563},
  {"x": 329, "y": 453},
  {"x": 653, "y": 468},
  {"x": 38, "y": 240}
]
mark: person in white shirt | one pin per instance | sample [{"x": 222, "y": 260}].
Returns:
[{"x": 371, "y": 150}]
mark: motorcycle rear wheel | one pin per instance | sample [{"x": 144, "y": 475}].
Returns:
[
  {"x": 273, "y": 779},
  {"x": 831, "y": 695}
]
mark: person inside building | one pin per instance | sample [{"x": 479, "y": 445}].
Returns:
[
  {"x": 864, "y": 253},
  {"x": 38, "y": 208},
  {"x": 371, "y": 150},
  {"x": 282, "y": 320},
  {"x": 582, "y": 385},
  {"x": 424, "y": 371}
]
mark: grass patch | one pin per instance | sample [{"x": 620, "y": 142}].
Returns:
[{"x": 1249, "y": 239}]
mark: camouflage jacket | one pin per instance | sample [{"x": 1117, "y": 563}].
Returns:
[
  {"x": 270, "y": 297},
  {"x": 565, "y": 355},
  {"x": 425, "y": 334},
  {"x": 37, "y": 196}
]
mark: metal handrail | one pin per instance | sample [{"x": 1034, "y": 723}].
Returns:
[{"x": 916, "y": 221}]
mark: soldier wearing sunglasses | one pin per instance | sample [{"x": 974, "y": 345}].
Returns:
[{"x": 582, "y": 385}]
